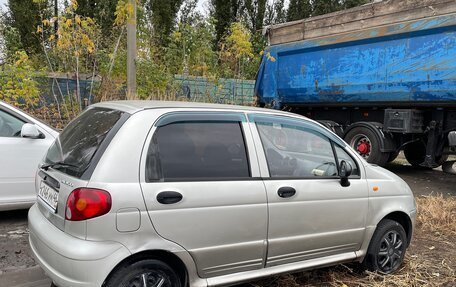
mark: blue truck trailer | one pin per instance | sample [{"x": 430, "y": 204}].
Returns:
[{"x": 382, "y": 76}]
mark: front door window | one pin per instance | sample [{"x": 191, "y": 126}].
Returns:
[
  {"x": 294, "y": 151},
  {"x": 10, "y": 126}
]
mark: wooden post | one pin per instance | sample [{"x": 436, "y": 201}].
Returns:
[{"x": 131, "y": 53}]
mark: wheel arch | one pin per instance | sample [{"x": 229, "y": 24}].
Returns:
[
  {"x": 333, "y": 126},
  {"x": 165, "y": 256},
  {"x": 403, "y": 219}
]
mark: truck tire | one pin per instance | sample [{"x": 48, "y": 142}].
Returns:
[
  {"x": 415, "y": 153},
  {"x": 366, "y": 143}
]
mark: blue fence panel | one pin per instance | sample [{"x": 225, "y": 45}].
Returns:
[{"x": 222, "y": 91}]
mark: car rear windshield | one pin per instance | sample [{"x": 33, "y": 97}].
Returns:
[{"x": 77, "y": 145}]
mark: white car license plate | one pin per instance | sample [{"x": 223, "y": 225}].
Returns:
[{"x": 48, "y": 195}]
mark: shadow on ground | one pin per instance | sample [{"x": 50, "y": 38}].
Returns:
[{"x": 425, "y": 181}]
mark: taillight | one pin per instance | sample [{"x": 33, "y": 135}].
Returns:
[{"x": 85, "y": 203}]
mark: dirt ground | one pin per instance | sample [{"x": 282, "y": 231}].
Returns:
[
  {"x": 15, "y": 252},
  {"x": 424, "y": 181},
  {"x": 431, "y": 259}
]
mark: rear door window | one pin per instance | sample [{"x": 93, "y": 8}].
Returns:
[
  {"x": 198, "y": 150},
  {"x": 77, "y": 145}
]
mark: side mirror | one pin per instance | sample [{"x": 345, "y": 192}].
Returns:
[
  {"x": 345, "y": 170},
  {"x": 30, "y": 131}
]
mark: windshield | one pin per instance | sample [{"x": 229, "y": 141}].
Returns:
[{"x": 76, "y": 146}]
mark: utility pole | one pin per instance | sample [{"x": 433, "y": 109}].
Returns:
[
  {"x": 131, "y": 53},
  {"x": 56, "y": 15}
]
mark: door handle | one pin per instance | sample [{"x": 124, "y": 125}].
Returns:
[
  {"x": 286, "y": 191},
  {"x": 169, "y": 197}
]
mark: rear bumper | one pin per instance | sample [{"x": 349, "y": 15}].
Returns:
[{"x": 68, "y": 260}]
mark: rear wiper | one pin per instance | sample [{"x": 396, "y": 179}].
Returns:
[{"x": 58, "y": 164}]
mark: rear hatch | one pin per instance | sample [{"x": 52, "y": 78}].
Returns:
[{"x": 70, "y": 162}]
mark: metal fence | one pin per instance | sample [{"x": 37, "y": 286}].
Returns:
[
  {"x": 222, "y": 91},
  {"x": 52, "y": 89},
  {"x": 195, "y": 89}
]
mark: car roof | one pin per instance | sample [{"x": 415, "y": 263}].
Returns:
[{"x": 133, "y": 106}]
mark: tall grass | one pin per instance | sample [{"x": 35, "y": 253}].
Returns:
[{"x": 437, "y": 214}]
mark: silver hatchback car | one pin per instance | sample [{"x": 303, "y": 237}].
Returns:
[{"x": 151, "y": 193}]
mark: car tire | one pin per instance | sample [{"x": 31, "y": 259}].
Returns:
[
  {"x": 151, "y": 271},
  {"x": 387, "y": 248},
  {"x": 371, "y": 145}
]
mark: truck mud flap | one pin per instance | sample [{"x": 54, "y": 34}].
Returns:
[{"x": 333, "y": 126}]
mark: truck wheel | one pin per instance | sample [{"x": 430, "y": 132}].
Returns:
[
  {"x": 415, "y": 153},
  {"x": 366, "y": 144}
]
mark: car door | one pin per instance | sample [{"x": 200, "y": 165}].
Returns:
[
  {"x": 310, "y": 214},
  {"x": 202, "y": 190},
  {"x": 19, "y": 161}
]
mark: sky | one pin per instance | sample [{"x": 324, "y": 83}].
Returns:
[{"x": 201, "y": 5}]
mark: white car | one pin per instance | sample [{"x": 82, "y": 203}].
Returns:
[{"x": 23, "y": 142}]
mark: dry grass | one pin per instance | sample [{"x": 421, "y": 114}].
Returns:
[
  {"x": 430, "y": 260},
  {"x": 437, "y": 214}
]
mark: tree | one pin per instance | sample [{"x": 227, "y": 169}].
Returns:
[
  {"x": 24, "y": 17},
  {"x": 236, "y": 48},
  {"x": 102, "y": 11},
  {"x": 320, "y": 7},
  {"x": 17, "y": 83},
  {"x": 188, "y": 13},
  {"x": 10, "y": 40},
  {"x": 73, "y": 48},
  {"x": 163, "y": 17},
  {"x": 276, "y": 12},
  {"x": 190, "y": 50},
  {"x": 254, "y": 13},
  {"x": 346, "y": 4},
  {"x": 299, "y": 9},
  {"x": 224, "y": 12}
]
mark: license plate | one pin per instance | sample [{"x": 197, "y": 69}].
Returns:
[{"x": 48, "y": 195}]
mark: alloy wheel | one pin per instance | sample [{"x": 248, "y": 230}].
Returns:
[
  {"x": 149, "y": 279},
  {"x": 389, "y": 255}
]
